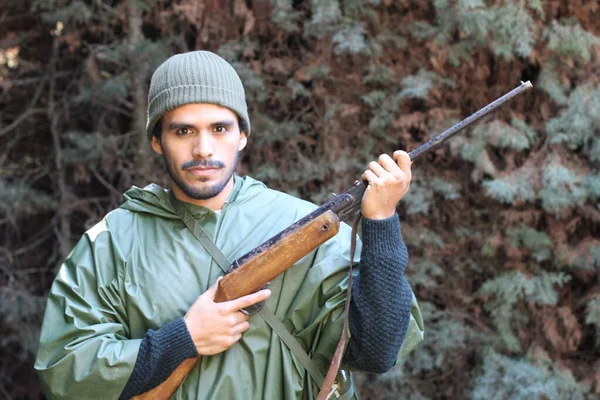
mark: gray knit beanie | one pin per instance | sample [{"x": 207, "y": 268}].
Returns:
[{"x": 195, "y": 77}]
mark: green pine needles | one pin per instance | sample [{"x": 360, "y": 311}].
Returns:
[
  {"x": 502, "y": 223},
  {"x": 520, "y": 379}
]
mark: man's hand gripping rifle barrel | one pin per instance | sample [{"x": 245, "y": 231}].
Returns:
[{"x": 254, "y": 270}]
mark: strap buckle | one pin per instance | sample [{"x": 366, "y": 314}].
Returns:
[{"x": 334, "y": 392}]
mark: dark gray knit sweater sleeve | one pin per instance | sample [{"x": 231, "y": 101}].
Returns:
[
  {"x": 160, "y": 354},
  {"x": 381, "y": 298}
]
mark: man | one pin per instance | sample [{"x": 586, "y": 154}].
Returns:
[{"x": 135, "y": 297}]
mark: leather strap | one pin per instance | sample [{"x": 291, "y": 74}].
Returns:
[
  {"x": 271, "y": 319},
  {"x": 328, "y": 387},
  {"x": 292, "y": 344}
]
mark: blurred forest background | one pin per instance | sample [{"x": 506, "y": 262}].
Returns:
[{"x": 502, "y": 223}]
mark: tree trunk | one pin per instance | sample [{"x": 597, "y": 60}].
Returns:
[{"x": 138, "y": 73}]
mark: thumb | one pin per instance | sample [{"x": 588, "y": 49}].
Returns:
[
  {"x": 403, "y": 160},
  {"x": 211, "y": 292}
]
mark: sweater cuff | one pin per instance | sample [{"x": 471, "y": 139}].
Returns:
[
  {"x": 381, "y": 236},
  {"x": 161, "y": 352},
  {"x": 176, "y": 341}
]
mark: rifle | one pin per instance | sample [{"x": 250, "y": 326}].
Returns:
[{"x": 253, "y": 270}]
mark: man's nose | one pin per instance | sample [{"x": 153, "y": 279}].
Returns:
[{"x": 203, "y": 146}]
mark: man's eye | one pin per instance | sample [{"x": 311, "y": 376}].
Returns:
[
  {"x": 183, "y": 131},
  {"x": 220, "y": 129}
]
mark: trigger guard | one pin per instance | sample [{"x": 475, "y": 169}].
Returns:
[{"x": 253, "y": 309}]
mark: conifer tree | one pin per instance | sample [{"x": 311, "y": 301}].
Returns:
[{"x": 502, "y": 223}]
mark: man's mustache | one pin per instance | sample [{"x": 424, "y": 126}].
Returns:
[{"x": 203, "y": 164}]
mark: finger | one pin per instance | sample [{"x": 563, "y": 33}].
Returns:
[
  {"x": 232, "y": 319},
  {"x": 241, "y": 328},
  {"x": 237, "y": 338},
  {"x": 369, "y": 176},
  {"x": 228, "y": 341},
  {"x": 378, "y": 170},
  {"x": 248, "y": 300},
  {"x": 239, "y": 317},
  {"x": 403, "y": 160},
  {"x": 388, "y": 164}
]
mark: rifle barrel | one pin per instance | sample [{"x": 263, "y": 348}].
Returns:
[{"x": 439, "y": 139}]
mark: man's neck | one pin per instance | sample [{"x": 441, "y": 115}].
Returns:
[{"x": 215, "y": 203}]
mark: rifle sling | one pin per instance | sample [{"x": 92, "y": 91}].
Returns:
[
  {"x": 329, "y": 384},
  {"x": 292, "y": 344},
  {"x": 265, "y": 312},
  {"x": 199, "y": 233}
]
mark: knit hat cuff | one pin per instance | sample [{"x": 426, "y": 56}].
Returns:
[{"x": 177, "y": 96}]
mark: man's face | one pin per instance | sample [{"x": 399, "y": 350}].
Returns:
[{"x": 200, "y": 145}]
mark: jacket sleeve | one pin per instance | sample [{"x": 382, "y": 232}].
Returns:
[{"x": 84, "y": 348}]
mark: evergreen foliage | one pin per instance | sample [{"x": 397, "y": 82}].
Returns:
[
  {"x": 21, "y": 310},
  {"x": 577, "y": 125},
  {"x": 514, "y": 188},
  {"x": 562, "y": 188},
  {"x": 509, "y": 378},
  {"x": 524, "y": 236},
  {"x": 592, "y": 317},
  {"x": 570, "y": 40},
  {"x": 19, "y": 199},
  {"x": 511, "y": 287},
  {"x": 502, "y": 223},
  {"x": 550, "y": 82}
]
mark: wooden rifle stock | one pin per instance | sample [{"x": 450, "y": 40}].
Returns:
[
  {"x": 252, "y": 271},
  {"x": 275, "y": 256}
]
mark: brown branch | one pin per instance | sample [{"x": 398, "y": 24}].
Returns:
[
  {"x": 138, "y": 77},
  {"x": 4, "y": 392},
  {"x": 105, "y": 183},
  {"x": 78, "y": 203},
  {"x": 28, "y": 113},
  {"x": 30, "y": 109},
  {"x": 34, "y": 243},
  {"x": 17, "y": 40},
  {"x": 63, "y": 230},
  {"x": 8, "y": 83}
]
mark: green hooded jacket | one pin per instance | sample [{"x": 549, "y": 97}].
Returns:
[{"x": 140, "y": 268}]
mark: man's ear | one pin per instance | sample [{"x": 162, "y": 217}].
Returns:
[
  {"x": 156, "y": 145},
  {"x": 243, "y": 141}
]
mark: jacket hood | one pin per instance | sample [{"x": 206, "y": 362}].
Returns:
[{"x": 156, "y": 200}]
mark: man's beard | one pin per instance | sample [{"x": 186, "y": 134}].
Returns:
[{"x": 203, "y": 193}]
